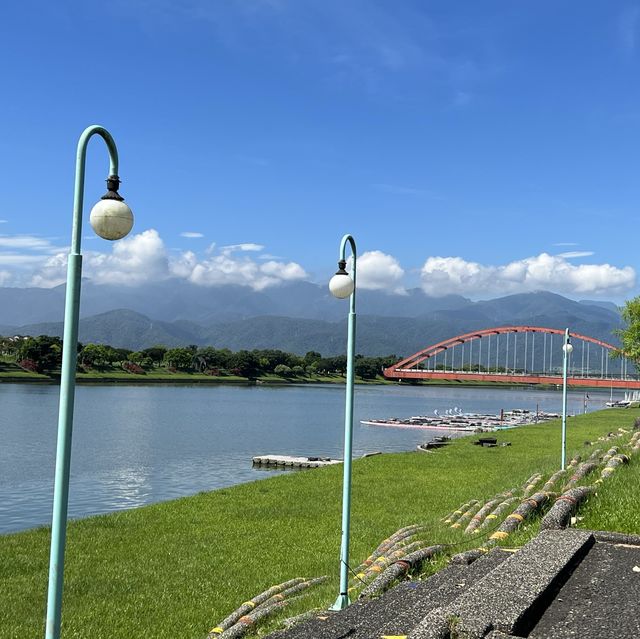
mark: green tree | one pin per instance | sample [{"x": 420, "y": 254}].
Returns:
[
  {"x": 44, "y": 351},
  {"x": 630, "y": 334},
  {"x": 118, "y": 354},
  {"x": 333, "y": 364},
  {"x": 155, "y": 353},
  {"x": 244, "y": 363},
  {"x": 312, "y": 357},
  {"x": 180, "y": 358},
  {"x": 210, "y": 358},
  {"x": 282, "y": 370},
  {"x": 366, "y": 367},
  {"x": 141, "y": 359},
  {"x": 94, "y": 355}
]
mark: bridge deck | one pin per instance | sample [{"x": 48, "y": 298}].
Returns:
[{"x": 532, "y": 378}]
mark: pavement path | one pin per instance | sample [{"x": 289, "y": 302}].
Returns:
[{"x": 562, "y": 584}]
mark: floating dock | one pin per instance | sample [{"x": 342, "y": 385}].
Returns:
[
  {"x": 467, "y": 422},
  {"x": 289, "y": 461}
]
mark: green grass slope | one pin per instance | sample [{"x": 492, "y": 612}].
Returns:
[{"x": 175, "y": 569}]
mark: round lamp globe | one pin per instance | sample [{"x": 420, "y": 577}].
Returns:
[
  {"x": 111, "y": 219},
  {"x": 341, "y": 285},
  {"x": 567, "y": 348}
]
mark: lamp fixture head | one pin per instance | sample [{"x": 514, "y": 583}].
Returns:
[
  {"x": 111, "y": 218},
  {"x": 341, "y": 285},
  {"x": 567, "y": 348}
]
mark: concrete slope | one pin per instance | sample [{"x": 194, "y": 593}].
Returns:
[{"x": 563, "y": 583}]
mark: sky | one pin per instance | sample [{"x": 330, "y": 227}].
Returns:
[{"x": 477, "y": 148}]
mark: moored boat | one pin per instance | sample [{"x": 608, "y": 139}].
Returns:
[{"x": 465, "y": 422}]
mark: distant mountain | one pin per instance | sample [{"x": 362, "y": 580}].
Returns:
[
  {"x": 173, "y": 300},
  {"x": 608, "y": 305},
  {"x": 533, "y": 308},
  {"x": 379, "y": 334},
  {"x": 125, "y": 329}
]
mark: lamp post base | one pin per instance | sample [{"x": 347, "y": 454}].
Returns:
[{"x": 341, "y": 603}]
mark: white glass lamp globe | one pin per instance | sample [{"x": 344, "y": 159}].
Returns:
[
  {"x": 567, "y": 348},
  {"x": 341, "y": 285},
  {"x": 111, "y": 219}
]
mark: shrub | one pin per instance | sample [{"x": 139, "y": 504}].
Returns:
[
  {"x": 131, "y": 367},
  {"x": 282, "y": 370},
  {"x": 28, "y": 365}
]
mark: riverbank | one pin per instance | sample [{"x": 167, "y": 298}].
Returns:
[
  {"x": 11, "y": 373},
  {"x": 174, "y": 569},
  {"x": 123, "y": 378}
]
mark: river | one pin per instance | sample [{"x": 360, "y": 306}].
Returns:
[{"x": 135, "y": 445}]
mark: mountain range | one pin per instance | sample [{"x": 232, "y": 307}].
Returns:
[{"x": 297, "y": 317}]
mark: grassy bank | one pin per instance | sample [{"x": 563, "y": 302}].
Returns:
[
  {"x": 174, "y": 569},
  {"x": 16, "y": 375},
  {"x": 12, "y": 373}
]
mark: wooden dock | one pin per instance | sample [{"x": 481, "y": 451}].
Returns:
[{"x": 289, "y": 461}]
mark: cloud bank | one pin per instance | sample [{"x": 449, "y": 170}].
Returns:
[
  {"x": 144, "y": 258},
  {"x": 378, "y": 271},
  {"x": 443, "y": 275}
]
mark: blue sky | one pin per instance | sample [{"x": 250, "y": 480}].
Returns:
[{"x": 480, "y": 148}]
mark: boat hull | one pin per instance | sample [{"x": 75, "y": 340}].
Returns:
[{"x": 459, "y": 429}]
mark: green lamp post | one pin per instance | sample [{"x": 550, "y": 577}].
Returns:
[
  {"x": 111, "y": 219},
  {"x": 342, "y": 286},
  {"x": 567, "y": 348}
]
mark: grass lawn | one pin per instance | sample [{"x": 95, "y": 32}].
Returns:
[
  {"x": 175, "y": 569},
  {"x": 9, "y": 371},
  {"x": 616, "y": 506}
]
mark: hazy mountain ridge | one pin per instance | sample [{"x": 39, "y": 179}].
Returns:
[
  {"x": 377, "y": 334},
  {"x": 173, "y": 300}
]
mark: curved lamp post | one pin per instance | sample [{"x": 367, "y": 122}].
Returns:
[
  {"x": 111, "y": 219},
  {"x": 567, "y": 347},
  {"x": 342, "y": 286}
]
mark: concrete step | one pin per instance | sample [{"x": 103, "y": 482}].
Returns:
[
  {"x": 599, "y": 598},
  {"x": 512, "y": 597},
  {"x": 399, "y": 610},
  {"x": 448, "y": 590}
]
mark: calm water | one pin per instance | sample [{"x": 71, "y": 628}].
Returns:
[{"x": 137, "y": 445}]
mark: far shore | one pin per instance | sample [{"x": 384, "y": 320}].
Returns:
[{"x": 181, "y": 379}]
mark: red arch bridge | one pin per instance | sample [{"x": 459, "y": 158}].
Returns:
[{"x": 522, "y": 354}]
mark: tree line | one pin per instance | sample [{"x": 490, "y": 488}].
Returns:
[{"x": 43, "y": 354}]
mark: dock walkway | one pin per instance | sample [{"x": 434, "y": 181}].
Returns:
[{"x": 294, "y": 462}]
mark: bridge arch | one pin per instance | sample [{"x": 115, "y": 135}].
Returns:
[{"x": 410, "y": 367}]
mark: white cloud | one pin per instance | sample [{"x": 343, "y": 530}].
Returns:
[
  {"x": 27, "y": 242},
  {"x": 51, "y": 273},
  {"x": 244, "y": 247},
  {"x": 132, "y": 261},
  {"x": 191, "y": 234},
  {"x": 21, "y": 259},
  {"x": 4, "y": 221},
  {"x": 443, "y": 275},
  {"x": 243, "y": 271},
  {"x": 5, "y": 278},
  {"x": 379, "y": 271},
  {"x": 144, "y": 258},
  {"x": 570, "y": 254},
  {"x": 566, "y": 244}
]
